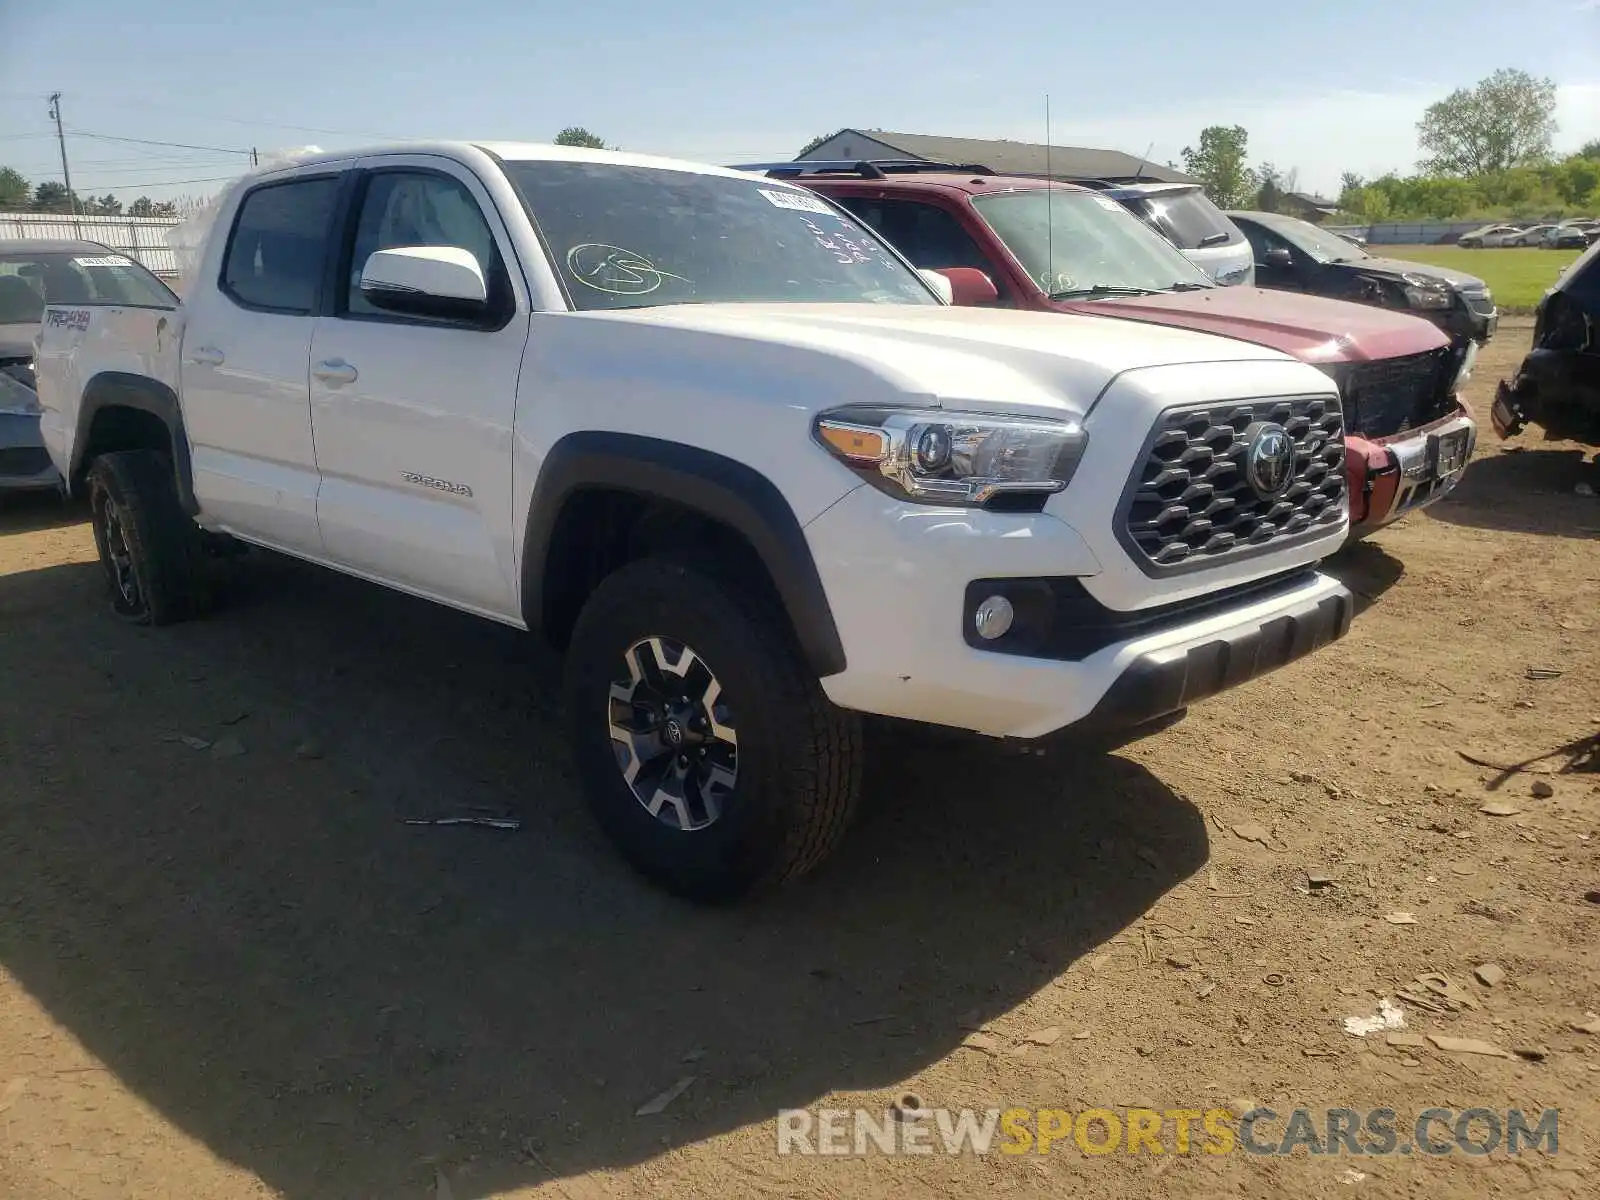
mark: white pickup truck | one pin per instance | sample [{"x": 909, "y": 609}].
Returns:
[{"x": 726, "y": 448}]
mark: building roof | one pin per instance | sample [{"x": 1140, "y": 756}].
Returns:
[
  {"x": 1024, "y": 158},
  {"x": 1311, "y": 201}
]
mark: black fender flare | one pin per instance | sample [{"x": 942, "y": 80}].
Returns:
[
  {"x": 720, "y": 488},
  {"x": 123, "y": 389}
]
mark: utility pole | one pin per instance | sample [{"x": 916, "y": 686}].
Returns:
[
  {"x": 254, "y": 160},
  {"x": 61, "y": 139}
]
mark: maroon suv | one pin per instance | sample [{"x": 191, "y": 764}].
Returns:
[{"x": 1026, "y": 243}]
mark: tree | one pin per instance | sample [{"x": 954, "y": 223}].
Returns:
[
  {"x": 14, "y": 189},
  {"x": 1219, "y": 164},
  {"x": 1590, "y": 149},
  {"x": 164, "y": 208},
  {"x": 1506, "y": 121},
  {"x": 817, "y": 141},
  {"x": 105, "y": 206},
  {"x": 1270, "y": 196},
  {"x": 53, "y": 197},
  {"x": 577, "y": 135},
  {"x": 142, "y": 207}
]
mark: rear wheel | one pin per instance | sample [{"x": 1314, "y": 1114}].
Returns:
[
  {"x": 149, "y": 547},
  {"x": 706, "y": 747}
]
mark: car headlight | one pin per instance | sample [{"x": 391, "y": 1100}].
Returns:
[
  {"x": 1423, "y": 291},
  {"x": 934, "y": 456}
]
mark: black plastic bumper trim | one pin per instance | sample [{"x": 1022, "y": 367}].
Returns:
[
  {"x": 1057, "y": 618},
  {"x": 1164, "y": 681}
]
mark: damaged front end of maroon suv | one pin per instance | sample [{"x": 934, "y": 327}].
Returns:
[{"x": 1558, "y": 384}]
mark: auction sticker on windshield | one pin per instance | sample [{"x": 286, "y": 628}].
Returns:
[{"x": 798, "y": 201}]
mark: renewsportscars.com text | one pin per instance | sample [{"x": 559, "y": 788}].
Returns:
[{"x": 847, "y": 1132}]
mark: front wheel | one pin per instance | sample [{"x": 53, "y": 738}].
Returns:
[{"x": 706, "y": 748}]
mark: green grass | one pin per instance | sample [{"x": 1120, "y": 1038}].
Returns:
[{"x": 1516, "y": 276}]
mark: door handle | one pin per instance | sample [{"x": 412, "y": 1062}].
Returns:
[
  {"x": 334, "y": 372},
  {"x": 207, "y": 356}
]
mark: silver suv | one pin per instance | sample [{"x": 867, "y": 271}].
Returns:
[{"x": 1183, "y": 215}]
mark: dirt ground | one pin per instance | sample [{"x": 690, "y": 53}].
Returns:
[{"x": 234, "y": 971}]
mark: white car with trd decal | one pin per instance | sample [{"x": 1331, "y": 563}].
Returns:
[{"x": 721, "y": 444}]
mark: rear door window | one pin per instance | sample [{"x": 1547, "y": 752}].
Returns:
[
  {"x": 278, "y": 245},
  {"x": 928, "y": 235}
]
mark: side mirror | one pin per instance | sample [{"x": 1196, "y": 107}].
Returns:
[
  {"x": 1278, "y": 257},
  {"x": 426, "y": 281},
  {"x": 969, "y": 286}
]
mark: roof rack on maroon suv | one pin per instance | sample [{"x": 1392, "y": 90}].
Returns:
[{"x": 865, "y": 168}]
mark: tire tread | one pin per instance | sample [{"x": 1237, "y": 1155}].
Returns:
[{"x": 162, "y": 538}]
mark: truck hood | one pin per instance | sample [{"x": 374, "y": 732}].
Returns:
[
  {"x": 1311, "y": 328},
  {"x": 1394, "y": 268},
  {"x": 1016, "y": 359}
]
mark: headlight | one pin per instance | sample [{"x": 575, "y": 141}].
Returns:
[
  {"x": 1464, "y": 371},
  {"x": 937, "y": 457},
  {"x": 1423, "y": 291}
]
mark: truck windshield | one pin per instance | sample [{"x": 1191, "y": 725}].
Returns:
[
  {"x": 631, "y": 237},
  {"x": 1076, "y": 244},
  {"x": 30, "y": 280}
]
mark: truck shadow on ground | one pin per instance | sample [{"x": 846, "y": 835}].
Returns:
[
  {"x": 27, "y": 512},
  {"x": 249, "y": 938},
  {"x": 1526, "y": 491},
  {"x": 1367, "y": 569}
]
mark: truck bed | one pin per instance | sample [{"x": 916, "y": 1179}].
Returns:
[{"x": 77, "y": 343}]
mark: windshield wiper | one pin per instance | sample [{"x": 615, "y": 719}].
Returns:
[
  {"x": 1102, "y": 289},
  {"x": 1186, "y": 285}
]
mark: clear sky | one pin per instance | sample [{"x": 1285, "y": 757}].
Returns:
[{"x": 1320, "y": 87}]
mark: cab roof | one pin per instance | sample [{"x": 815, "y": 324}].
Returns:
[
  {"x": 957, "y": 181},
  {"x": 505, "y": 151}
]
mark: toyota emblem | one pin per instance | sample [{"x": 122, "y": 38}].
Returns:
[{"x": 1269, "y": 460}]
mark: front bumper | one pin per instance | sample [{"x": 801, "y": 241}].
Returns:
[
  {"x": 24, "y": 463},
  {"x": 1161, "y": 682},
  {"x": 1559, "y": 389},
  {"x": 1465, "y": 321},
  {"x": 1390, "y": 477},
  {"x": 897, "y": 581}
]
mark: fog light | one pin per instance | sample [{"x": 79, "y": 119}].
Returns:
[{"x": 993, "y": 618}]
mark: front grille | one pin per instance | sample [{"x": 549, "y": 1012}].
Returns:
[
  {"x": 20, "y": 461},
  {"x": 1189, "y": 503},
  {"x": 1481, "y": 303},
  {"x": 1392, "y": 395}
]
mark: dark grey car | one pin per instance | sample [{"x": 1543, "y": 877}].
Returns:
[{"x": 1295, "y": 255}]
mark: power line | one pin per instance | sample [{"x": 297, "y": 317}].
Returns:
[
  {"x": 106, "y": 137},
  {"x": 156, "y": 182},
  {"x": 257, "y": 122},
  {"x": 157, "y": 168},
  {"x": 121, "y": 165}
]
